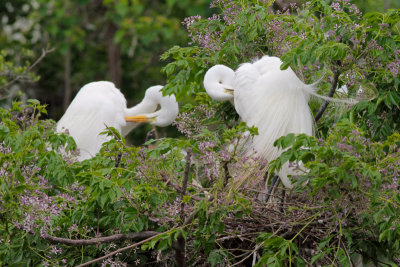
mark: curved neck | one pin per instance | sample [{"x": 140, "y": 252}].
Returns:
[{"x": 141, "y": 108}]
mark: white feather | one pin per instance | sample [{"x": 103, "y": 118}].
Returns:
[
  {"x": 274, "y": 101},
  {"x": 100, "y": 104},
  {"x": 96, "y": 105}
]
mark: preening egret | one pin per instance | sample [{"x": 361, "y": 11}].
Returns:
[
  {"x": 218, "y": 82},
  {"x": 273, "y": 100},
  {"x": 101, "y": 104}
]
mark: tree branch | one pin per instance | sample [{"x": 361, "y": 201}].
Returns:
[
  {"x": 119, "y": 250},
  {"x": 44, "y": 53},
  {"x": 226, "y": 172},
  {"x": 100, "y": 240},
  {"x": 180, "y": 244},
  {"x": 323, "y": 107},
  {"x": 185, "y": 176}
]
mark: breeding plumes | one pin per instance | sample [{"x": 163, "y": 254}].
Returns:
[
  {"x": 273, "y": 100},
  {"x": 100, "y": 104}
]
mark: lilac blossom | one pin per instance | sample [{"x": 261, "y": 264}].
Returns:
[{"x": 191, "y": 123}]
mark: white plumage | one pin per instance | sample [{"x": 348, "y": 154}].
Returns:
[
  {"x": 274, "y": 101},
  {"x": 101, "y": 104}
]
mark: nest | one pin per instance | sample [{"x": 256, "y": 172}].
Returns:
[{"x": 294, "y": 218}]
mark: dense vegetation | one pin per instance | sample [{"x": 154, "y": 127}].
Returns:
[{"x": 176, "y": 201}]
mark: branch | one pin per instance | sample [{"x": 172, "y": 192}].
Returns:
[
  {"x": 120, "y": 250},
  {"x": 177, "y": 188},
  {"x": 100, "y": 240},
  {"x": 180, "y": 246},
  {"x": 226, "y": 172},
  {"x": 44, "y": 53},
  {"x": 186, "y": 175},
  {"x": 323, "y": 107}
]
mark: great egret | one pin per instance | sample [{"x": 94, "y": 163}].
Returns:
[
  {"x": 273, "y": 100},
  {"x": 101, "y": 104}
]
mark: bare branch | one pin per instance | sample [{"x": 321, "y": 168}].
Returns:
[
  {"x": 100, "y": 240},
  {"x": 180, "y": 244},
  {"x": 186, "y": 173},
  {"x": 177, "y": 188},
  {"x": 323, "y": 107},
  {"x": 44, "y": 53},
  {"x": 119, "y": 250},
  {"x": 226, "y": 173}
]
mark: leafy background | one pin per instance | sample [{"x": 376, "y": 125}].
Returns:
[{"x": 347, "y": 211}]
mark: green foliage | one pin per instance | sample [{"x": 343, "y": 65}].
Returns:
[
  {"x": 344, "y": 204},
  {"x": 277, "y": 251},
  {"x": 343, "y": 177},
  {"x": 316, "y": 40},
  {"x": 93, "y": 40},
  {"x": 355, "y": 181},
  {"x": 43, "y": 191},
  {"x": 12, "y": 72}
]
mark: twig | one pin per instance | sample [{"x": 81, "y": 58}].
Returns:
[
  {"x": 118, "y": 160},
  {"x": 248, "y": 255},
  {"x": 44, "y": 53},
  {"x": 100, "y": 240},
  {"x": 119, "y": 140},
  {"x": 226, "y": 173},
  {"x": 119, "y": 250},
  {"x": 177, "y": 187},
  {"x": 180, "y": 246},
  {"x": 323, "y": 107},
  {"x": 185, "y": 178}
]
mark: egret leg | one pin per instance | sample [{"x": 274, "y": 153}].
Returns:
[{"x": 274, "y": 180}]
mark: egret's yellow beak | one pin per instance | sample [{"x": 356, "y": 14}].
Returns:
[
  {"x": 228, "y": 91},
  {"x": 139, "y": 119}
]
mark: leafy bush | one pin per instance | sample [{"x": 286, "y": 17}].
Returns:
[
  {"x": 352, "y": 184},
  {"x": 331, "y": 43},
  {"x": 176, "y": 200}
]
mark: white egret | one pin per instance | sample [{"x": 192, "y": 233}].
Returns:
[
  {"x": 273, "y": 100},
  {"x": 101, "y": 104},
  {"x": 218, "y": 82}
]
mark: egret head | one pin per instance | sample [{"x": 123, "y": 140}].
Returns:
[
  {"x": 165, "y": 115},
  {"x": 218, "y": 82}
]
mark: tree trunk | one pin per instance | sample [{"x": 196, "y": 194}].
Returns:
[
  {"x": 67, "y": 79},
  {"x": 114, "y": 56},
  {"x": 386, "y": 5}
]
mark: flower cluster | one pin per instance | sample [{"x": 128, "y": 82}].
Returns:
[
  {"x": 230, "y": 10},
  {"x": 394, "y": 67},
  {"x": 172, "y": 211},
  {"x": 209, "y": 160},
  {"x": 205, "y": 38},
  {"x": 38, "y": 209},
  {"x": 191, "y": 123}
]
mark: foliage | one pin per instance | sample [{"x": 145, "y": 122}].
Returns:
[
  {"x": 317, "y": 40},
  {"x": 85, "y": 35},
  {"x": 181, "y": 193},
  {"x": 10, "y": 72},
  {"x": 45, "y": 193},
  {"x": 353, "y": 183}
]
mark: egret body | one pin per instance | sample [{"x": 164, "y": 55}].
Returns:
[
  {"x": 100, "y": 104},
  {"x": 273, "y": 100}
]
